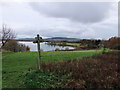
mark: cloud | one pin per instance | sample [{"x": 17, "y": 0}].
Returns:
[
  {"x": 84, "y": 12},
  {"x": 78, "y": 20}
]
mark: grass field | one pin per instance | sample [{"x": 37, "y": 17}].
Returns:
[
  {"x": 14, "y": 65},
  {"x": 73, "y": 44}
]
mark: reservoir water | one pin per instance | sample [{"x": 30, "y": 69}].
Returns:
[{"x": 44, "y": 46}]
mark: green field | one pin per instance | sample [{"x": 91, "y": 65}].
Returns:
[
  {"x": 73, "y": 44},
  {"x": 14, "y": 65},
  {"x": 68, "y": 44}
]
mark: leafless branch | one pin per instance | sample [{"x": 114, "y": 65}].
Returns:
[{"x": 7, "y": 34}]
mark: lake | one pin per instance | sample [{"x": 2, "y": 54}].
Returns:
[{"x": 44, "y": 46}]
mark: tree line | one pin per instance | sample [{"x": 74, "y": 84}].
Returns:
[
  {"x": 111, "y": 43},
  {"x": 8, "y": 43}
]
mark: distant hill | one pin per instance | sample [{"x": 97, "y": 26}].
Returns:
[
  {"x": 61, "y": 39},
  {"x": 25, "y": 39},
  {"x": 50, "y": 39}
]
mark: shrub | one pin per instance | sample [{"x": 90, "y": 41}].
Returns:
[
  {"x": 99, "y": 71},
  {"x": 27, "y": 48},
  {"x": 113, "y": 43},
  {"x": 66, "y": 49},
  {"x": 14, "y": 46},
  {"x": 57, "y": 49},
  {"x": 117, "y": 46},
  {"x": 11, "y": 45}
]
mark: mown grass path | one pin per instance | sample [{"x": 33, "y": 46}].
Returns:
[{"x": 14, "y": 65}]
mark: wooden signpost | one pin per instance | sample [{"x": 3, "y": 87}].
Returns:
[{"x": 38, "y": 38}]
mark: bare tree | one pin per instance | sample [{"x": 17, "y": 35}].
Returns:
[{"x": 7, "y": 34}]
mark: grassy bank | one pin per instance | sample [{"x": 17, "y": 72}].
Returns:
[{"x": 15, "y": 65}]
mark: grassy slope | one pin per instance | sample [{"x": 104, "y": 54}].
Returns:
[{"x": 16, "y": 64}]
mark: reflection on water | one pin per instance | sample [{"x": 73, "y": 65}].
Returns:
[{"x": 43, "y": 46}]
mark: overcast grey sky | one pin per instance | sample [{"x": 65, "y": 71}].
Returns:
[{"x": 61, "y": 19}]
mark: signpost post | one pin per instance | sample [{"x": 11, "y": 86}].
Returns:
[{"x": 38, "y": 38}]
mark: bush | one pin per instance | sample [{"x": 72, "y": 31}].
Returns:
[
  {"x": 14, "y": 46},
  {"x": 57, "y": 49},
  {"x": 117, "y": 47},
  {"x": 113, "y": 43},
  {"x": 11, "y": 45},
  {"x": 99, "y": 71},
  {"x": 27, "y": 48},
  {"x": 66, "y": 49}
]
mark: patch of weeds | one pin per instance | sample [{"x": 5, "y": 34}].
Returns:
[{"x": 44, "y": 79}]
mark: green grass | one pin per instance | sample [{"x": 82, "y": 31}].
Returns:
[
  {"x": 73, "y": 44},
  {"x": 68, "y": 44},
  {"x": 45, "y": 79},
  {"x": 14, "y": 65}
]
